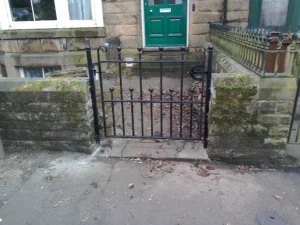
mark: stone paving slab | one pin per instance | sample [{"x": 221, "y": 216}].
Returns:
[
  {"x": 193, "y": 150},
  {"x": 162, "y": 150}
]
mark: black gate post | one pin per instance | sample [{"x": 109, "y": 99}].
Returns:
[
  {"x": 208, "y": 93},
  {"x": 93, "y": 93}
]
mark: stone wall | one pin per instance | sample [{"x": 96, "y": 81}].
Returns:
[
  {"x": 122, "y": 18},
  {"x": 250, "y": 119},
  {"x": 46, "y": 115},
  {"x": 49, "y": 47},
  {"x": 211, "y": 11}
]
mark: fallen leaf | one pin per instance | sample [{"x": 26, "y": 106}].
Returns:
[
  {"x": 277, "y": 197},
  {"x": 203, "y": 172},
  {"x": 182, "y": 172},
  {"x": 210, "y": 168}
]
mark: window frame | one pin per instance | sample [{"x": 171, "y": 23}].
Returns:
[
  {"x": 292, "y": 20},
  {"x": 22, "y": 72},
  {"x": 62, "y": 15}
]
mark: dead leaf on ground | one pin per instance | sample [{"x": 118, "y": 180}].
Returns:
[
  {"x": 210, "y": 167},
  {"x": 277, "y": 197},
  {"x": 203, "y": 172},
  {"x": 182, "y": 172}
]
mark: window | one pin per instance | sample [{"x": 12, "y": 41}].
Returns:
[
  {"x": 34, "y": 72},
  {"x": 156, "y": 2},
  {"x": 275, "y": 14},
  {"x": 80, "y": 9},
  {"x": 3, "y": 72},
  {"x": 32, "y": 10},
  {"x": 175, "y": 2},
  {"x": 35, "y": 14}
]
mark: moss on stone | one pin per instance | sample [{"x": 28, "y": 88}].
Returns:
[
  {"x": 64, "y": 91},
  {"x": 231, "y": 113},
  {"x": 57, "y": 85},
  {"x": 274, "y": 131}
]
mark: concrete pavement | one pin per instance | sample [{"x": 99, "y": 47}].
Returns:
[{"x": 52, "y": 188}]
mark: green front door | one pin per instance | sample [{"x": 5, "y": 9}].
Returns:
[{"x": 165, "y": 22}]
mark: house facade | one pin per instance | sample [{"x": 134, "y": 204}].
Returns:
[{"x": 41, "y": 36}]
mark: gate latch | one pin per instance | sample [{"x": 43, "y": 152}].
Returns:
[{"x": 198, "y": 70}]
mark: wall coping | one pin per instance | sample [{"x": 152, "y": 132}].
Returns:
[
  {"x": 8, "y": 84},
  {"x": 88, "y": 32}
]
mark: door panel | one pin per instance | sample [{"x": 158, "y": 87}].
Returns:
[
  {"x": 175, "y": 26},
  {"x": 156, "y": 27},
  {"x": 165, "y": 22}
]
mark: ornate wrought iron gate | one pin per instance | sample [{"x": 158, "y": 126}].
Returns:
[{"x": 156, "y": 112}]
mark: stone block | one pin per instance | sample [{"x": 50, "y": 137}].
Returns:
[
  {"x": 239, "y": 16},
  {"x": 75, "y": 44},
  {"x": 57, "y": 125},
  {"x": 96, "y": 42},
  {"x": 199, "y": 29},
  {"x": 266, "y": 107},
  {"x": 196, "y": 40},
  {"x": 121, "y": 19},
  {"x": 279, "y": 131},
  {"x": 43, "y": 107},
  {"x": 118, "y": 30},
  {"x": 26, "y": 97},
  {"x": 130, "y": 41},
  {"x": 284, "y": 107},
  {"x": 277, "y": 89},
  {"x": 53, "y": 33},
  {"x": 209, "y": 6},
  {"x": 68, "y": 97},
  {"x": 270, "y": 119},
  {"x": 9, "y": 45},
  {"x": 30, "y": 45},
  {"x": 238, "y": 5},
  {"x": 233, "y": 142},
  {"x": 72, "y": 73},
  {"x": 275, "y": 143},
  {"x": 47, "y": 117},
  {"x": 52, "y": 45},
  {"x": 66, "y": 136},
  {"x": 121, "y": 7},
  {"x": 206, "y": 17},
  {"x": 13, "y": 134}
]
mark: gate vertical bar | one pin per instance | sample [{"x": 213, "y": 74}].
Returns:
[
  {"x": 171, "y": 111},
  {"x": 132, "y": 113},
  {"x": 101, "y": 87},
  {"x": 141, "y": 88},
  {"x": 151, "y": 109},
  {"x": 113, "y": 109},
  {"x": 208, "y": 93},
  {"x": 93, "y": 93},
  {"x": 161, "y": 90},
  {"x": 121, "y": 87},
  {"x": 191, "y": 111},
  {"x": 181, "y": 87}
]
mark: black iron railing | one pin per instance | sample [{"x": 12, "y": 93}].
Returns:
[
  {"x": 172, "y": 113},
  {"x": 267, "y": 53}
]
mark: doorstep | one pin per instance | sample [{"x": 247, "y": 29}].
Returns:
[{"x": 159, "y": 150}]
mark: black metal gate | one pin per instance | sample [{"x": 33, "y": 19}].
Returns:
[{"x": 160, "y": 112}]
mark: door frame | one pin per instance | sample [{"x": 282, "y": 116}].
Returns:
[{"x": 144, "y": 27}]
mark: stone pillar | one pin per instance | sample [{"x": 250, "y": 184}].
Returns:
[{"x": 250, "y": 119}]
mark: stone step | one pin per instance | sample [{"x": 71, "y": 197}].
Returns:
[{"x": 162, "y": 150}]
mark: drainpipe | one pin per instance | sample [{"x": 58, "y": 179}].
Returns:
[{"x": 225, "y": 12}]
